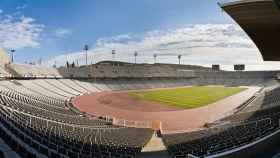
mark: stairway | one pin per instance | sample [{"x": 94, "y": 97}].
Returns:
[{"x": 155, "y": 148}]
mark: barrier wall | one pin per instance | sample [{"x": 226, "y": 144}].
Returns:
[{"x": 156, "y": 125}]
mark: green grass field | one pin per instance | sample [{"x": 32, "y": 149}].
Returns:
[{"x": 187, "y": 97}]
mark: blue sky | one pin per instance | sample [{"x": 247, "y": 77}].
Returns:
[{"x": 49, "y": 29}]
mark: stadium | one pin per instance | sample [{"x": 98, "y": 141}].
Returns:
[{"x": 115, "y": 109}]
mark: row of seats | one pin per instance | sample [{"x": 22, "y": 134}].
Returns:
[
  {"x": 84, "y": 142},
  {"x": 207, "y": 143},
  {"x": 24, "y": 70},
  {"x": 109, "y": 70},
  {"x": 235, "y": 131},
  {"x": 49, "y": 112},
  {"x": 268, "y": 98},
  {"x": 57, "y": 131}
]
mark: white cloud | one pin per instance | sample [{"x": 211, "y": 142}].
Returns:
[
  {"x": 19, "y": 32},
  {"x": 62, "y": 32},
  {"x": 1, "y": 11},
  {"x": 21, "y": 7},
  {"x": 204, "y": 44}
]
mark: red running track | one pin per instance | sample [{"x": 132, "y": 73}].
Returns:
[{"x": 122, "y": 106}]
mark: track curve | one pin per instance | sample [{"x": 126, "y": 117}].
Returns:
[{"x": 120, "y": 105}]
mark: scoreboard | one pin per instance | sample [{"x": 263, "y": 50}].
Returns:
[
  {"x": 239, "y": 67},
  {"x": 216, "y": 67}
]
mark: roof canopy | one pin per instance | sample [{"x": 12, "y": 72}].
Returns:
[{"x": 260, "y": 19}]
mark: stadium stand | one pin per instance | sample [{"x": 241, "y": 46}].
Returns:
[
  {"x": 47, "y": 127},
  {"x": 238, "y": 130},
  {"x": 214, "y": 141},
  {"x": 23, "y": 70}
]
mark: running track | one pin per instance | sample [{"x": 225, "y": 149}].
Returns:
[{"x": 173, "y": 120}]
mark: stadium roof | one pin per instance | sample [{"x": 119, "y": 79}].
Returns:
[{"x": 260, "y": 19}]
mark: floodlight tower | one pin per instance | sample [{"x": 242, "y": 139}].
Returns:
[
  {"x": 155, "y": 58},
  {"x": 135, "y": 56},
  {"x": 113, "y": 56},
  {"x": 86, "y": 48},
  {"x": 12, "y": 51},
  {"x": 179, "y": 58}
]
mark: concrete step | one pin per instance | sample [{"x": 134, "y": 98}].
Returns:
[{"x": 155, "y": 148}]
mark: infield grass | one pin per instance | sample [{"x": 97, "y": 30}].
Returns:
[{"x": 187, "y": 97}]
